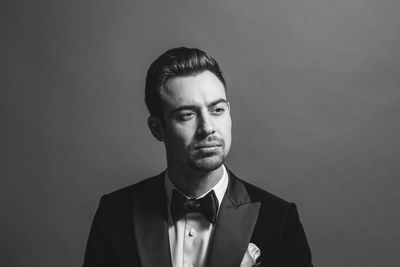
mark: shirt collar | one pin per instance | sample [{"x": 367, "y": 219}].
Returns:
[{"x": 219, "y": 189}]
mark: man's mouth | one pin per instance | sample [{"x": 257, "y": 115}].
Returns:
[{"x": 208, "y": 145}]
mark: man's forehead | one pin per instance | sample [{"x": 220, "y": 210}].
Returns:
[{"x": 204, "y": 86}]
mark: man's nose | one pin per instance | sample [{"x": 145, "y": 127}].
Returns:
[{"x": 206, "y": 126}]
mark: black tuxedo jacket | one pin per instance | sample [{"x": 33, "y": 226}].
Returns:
[{"x": 130, "y": 228}]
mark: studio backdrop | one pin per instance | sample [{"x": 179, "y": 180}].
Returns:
[{"x": 315, "y": 102}]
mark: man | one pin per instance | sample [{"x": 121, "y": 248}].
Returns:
[{"x": 197, "y": 212}]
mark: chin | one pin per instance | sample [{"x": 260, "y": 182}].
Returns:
[{"x": 207, "y": 164}]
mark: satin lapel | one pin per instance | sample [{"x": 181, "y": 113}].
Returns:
[
  {"x": 150, "y": 224},
  {"x": 234, "y": 227}
]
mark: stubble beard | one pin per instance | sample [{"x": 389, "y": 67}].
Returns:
[{"x": 207, "y": 161}]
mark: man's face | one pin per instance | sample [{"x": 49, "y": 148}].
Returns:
[{"x": 197, "y": 129}]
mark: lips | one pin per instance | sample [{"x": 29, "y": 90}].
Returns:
[{"x": 208, "y": 145}]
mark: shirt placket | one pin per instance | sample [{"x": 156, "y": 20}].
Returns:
[{"x": 191, "y": 242}]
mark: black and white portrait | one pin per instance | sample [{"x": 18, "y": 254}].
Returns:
[{"x": 199, "y": 133}]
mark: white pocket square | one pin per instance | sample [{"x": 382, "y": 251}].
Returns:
[{"x": 250, "y": 256}]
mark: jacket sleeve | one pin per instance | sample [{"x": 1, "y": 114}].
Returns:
[
  {"x": 294, "y": 250},
  {"x": 98, "y": 249}
]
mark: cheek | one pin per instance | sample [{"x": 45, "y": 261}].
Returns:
[
  {"x": 227, "y": 127},
  {"x": 180, "y": 136},
  {"x": 228, "y": 135}
]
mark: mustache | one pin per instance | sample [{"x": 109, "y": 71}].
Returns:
[{"x": 210, "y": 141}]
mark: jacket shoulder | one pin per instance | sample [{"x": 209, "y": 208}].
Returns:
[
  {"x": 258, "y": 194},
  {"x": 147, "y": 186}
]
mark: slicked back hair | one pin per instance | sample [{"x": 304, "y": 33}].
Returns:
[{"x": 176, "y": 62}]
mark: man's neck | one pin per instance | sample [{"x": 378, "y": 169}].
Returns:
[{"x": 194, "y": 183}]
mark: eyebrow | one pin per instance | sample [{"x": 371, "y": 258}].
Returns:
[{"x": 193, "y": 107}]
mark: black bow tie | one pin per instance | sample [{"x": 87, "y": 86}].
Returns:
[{"x": 207, "y": 205}]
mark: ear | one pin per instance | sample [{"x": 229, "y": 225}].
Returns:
[{"x": 156, "y": 127}]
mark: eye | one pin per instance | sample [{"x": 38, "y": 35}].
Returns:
[
  {"x": 218, "y": 110},
  {"x": 185, "y": 116}
]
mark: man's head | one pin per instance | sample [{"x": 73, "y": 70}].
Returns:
[
  {"x": 176, "y": 62},
  {"x": 189, "y": 111}
]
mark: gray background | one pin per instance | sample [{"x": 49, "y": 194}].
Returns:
[{"x": 314, "y": 89}]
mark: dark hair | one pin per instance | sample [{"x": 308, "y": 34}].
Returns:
[{"x": 175, "y": 62}]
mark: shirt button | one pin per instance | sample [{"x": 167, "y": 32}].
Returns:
[{"x": 192, "y": 232}]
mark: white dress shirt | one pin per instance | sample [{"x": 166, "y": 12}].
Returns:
[{"x": 189, "y": 238}]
